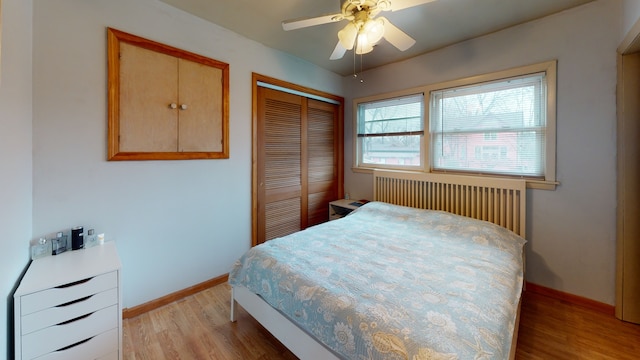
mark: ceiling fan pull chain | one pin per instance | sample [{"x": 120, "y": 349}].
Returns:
[
  {"x": 361, "y": 79},
  {"x": 355, "y": 73}
]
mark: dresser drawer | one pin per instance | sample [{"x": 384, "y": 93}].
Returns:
[
  {"x": 66, "y": 293},
  {"x": 60, "y": 336},
  {"x": 71, "y": 310},
  {"x": 98, "y": 347}
]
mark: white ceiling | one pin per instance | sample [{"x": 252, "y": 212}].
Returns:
[{"x": 433, "y": 25}]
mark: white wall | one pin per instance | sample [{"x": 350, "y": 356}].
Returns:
[
  {"x": 571, "y": 230},
  {"x": 176, "y": 223},
  {"x": 15, "y": 155},
  {"x": 630, "y": 15}
]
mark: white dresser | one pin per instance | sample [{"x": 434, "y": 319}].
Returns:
[{"x": 69, "y": 306}]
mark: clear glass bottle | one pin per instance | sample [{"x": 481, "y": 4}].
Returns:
[
  {"x": 91, "y": 240},
  {"x": 59, "y": 244},
  {"x": 41, "y": 249}
]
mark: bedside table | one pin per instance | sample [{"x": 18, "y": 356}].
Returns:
[{"x": 341, "y": 208}]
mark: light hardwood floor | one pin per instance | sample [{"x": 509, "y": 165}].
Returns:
[{"x": 198, "y": 327}]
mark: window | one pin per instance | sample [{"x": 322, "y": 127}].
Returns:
[
  {"x": 499, "y": 124},
  {"x": 506, "y": 118},
  {"x": 390, "y": 132}
]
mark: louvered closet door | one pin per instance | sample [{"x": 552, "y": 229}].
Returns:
[
  {"x": 279, "y": 164},
  {"x": 297, "y": 164},
  {"x": 322, "y": 155}
]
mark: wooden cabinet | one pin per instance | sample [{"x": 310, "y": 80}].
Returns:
[
  {"x": 69, "y": 306},
  {"x": 165, "y": 103}
]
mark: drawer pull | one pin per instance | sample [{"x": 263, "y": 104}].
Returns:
[
  {"x": 74, "y": 283},
  {"x": 76, "y": 344},
  {"x": 76, "y": 319},
  {"x": 75, "y": 301}
]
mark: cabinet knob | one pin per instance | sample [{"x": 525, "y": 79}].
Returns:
[
  {"x": 173, "y": 106},
  {"x": 183, "y": 107}
]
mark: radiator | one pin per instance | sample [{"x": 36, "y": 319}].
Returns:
[{"x": 500, "y": 201}]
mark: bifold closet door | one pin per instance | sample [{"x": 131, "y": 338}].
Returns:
[
  {"x": 322, "y": 159},
  {"x": 280, "y": 124},
  {"x": 298, "y": 160}
]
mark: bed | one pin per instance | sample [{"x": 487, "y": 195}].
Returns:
[{"x": 392, "y": 281}]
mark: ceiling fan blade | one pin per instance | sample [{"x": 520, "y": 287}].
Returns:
[
  {"x": 338, "y": 52},
  {"x": 397, "y": 37},
  {"x": 403, "y": 4},
  {"x": 313, "y": 21}
]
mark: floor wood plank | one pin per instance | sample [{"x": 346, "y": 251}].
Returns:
[{"x": 198, "y": 327}]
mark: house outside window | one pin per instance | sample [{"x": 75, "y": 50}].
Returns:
[{"x": 499, "y": 124}]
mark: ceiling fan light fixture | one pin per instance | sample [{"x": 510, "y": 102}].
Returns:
[
  {"x": 369, "y": 34},
  {"x": 347, "y": 35},
  {"x": 374, "y": 29},
  {"x": 363, "y": 45}
]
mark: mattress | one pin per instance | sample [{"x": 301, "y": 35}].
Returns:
[{"x": 392, "y": 282}]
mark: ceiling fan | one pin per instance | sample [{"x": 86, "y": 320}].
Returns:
[{"x": 364, "y": 29}]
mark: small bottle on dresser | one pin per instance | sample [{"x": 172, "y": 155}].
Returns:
[
  {"x": 41, "y": 249},
  {"x": 59, "y": 244},
  {"x": 91, "y": 240}
]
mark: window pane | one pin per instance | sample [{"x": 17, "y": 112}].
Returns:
[
  {"x": 496, "y": 127},
  {"x": 390, "y": 131},
  {"x": 508, "y": 153},
  {"x": 391, "y": 150},
  {"x": 397, "y": 115}
]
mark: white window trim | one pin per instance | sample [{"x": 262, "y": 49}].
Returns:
[
  {"x": 549, "y": 67},
  {"x": 368, "y": 168}
]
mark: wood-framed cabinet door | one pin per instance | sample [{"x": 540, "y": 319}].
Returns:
[
  {"x": 200, "y": 95},
  {"x": 164, "y": 103},
  {"x": 147, "y": 88}
]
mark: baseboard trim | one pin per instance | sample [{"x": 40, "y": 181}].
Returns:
[
  {"x": 128, "y": 313},
  {"x": 175, "y": 296},
  {"x": 571, "y": 299}
]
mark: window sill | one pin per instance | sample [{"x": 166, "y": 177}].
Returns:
[
  {"x": 362, "y": 170},
  {"x": 531, "y": 184},
  {"x": 542, "y": 184}
]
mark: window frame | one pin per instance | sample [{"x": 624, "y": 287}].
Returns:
[
  {"x": 357, "y": 140},
  {"x": 549, "y": 68}
]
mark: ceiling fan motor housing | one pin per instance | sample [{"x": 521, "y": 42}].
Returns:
[{"x": 366, "y": 8}]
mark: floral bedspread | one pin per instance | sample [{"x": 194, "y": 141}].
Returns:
[{"x": 392, "y": 282}]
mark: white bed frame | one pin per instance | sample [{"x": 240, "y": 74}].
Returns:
[
  {"x": 290, "y": 335},
  {"x": 500, "y": 201}
]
